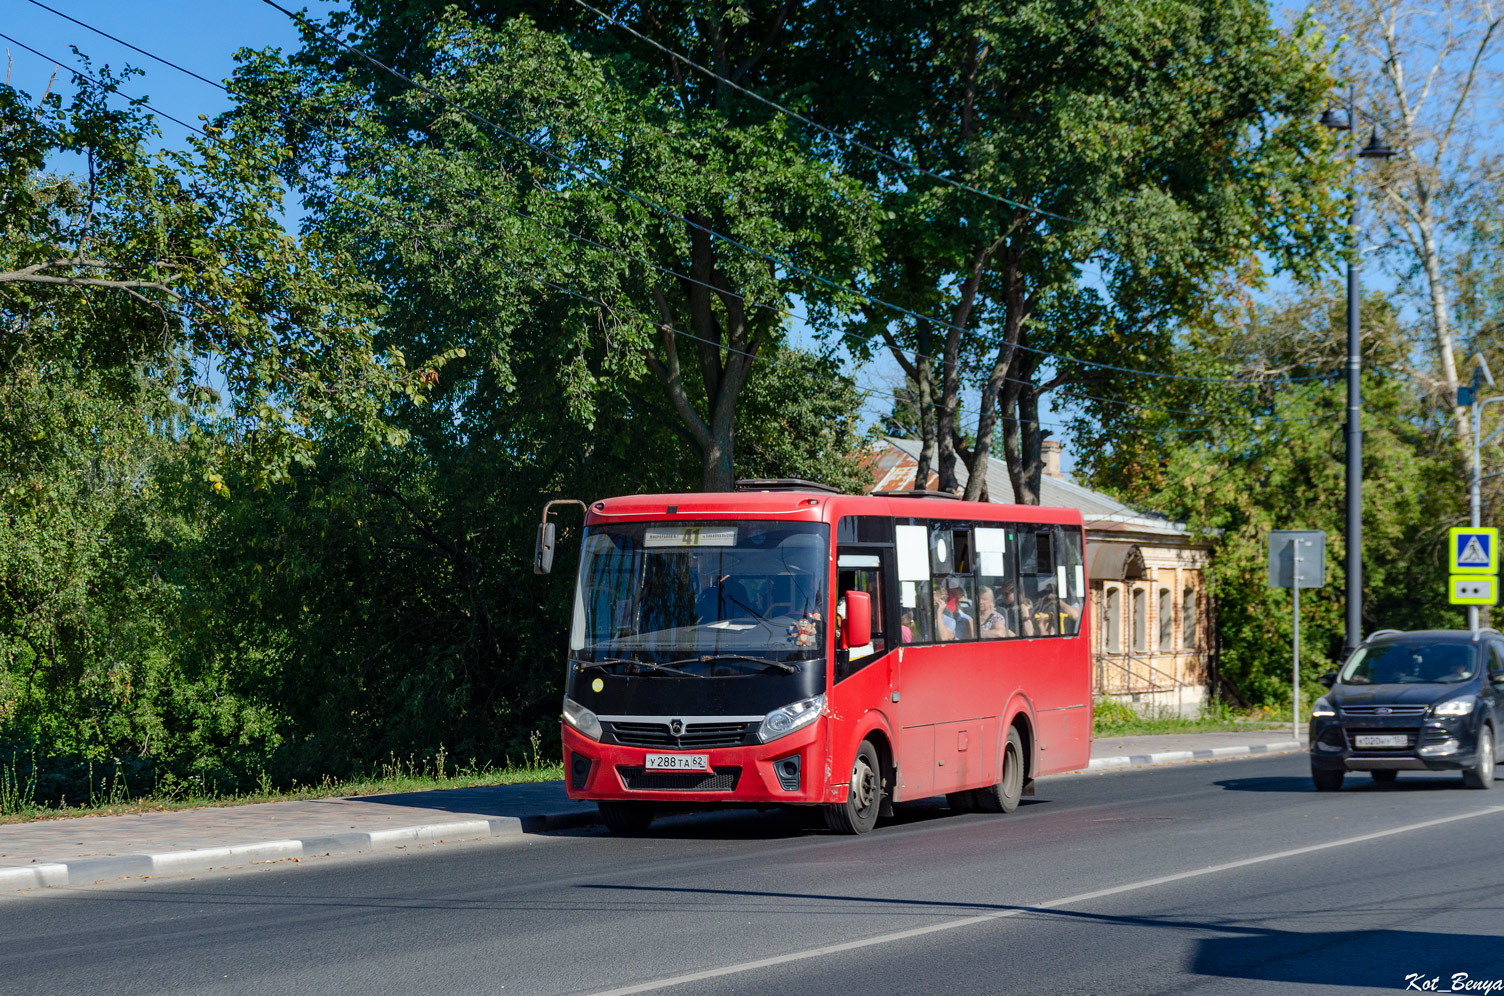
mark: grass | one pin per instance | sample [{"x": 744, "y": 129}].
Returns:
[
  {"x": 18, "y": 802},
  {"x": 1116, "y": 719}
]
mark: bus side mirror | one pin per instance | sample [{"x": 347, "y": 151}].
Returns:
[
  {"x": 858, "y": 618},
  {"x": 543, "y": 556},
  {"x": 1329, "y": 679}
]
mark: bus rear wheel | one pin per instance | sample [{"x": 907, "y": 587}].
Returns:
[
  {"x": 625, "y": 817},
  {"x": 1004, "y": 796},
  {"x": 858, "y": 813}
]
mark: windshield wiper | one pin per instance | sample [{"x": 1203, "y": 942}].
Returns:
[
  {"x": 787, "y": 667},
  {"x": 610, "y": 662},
  {"x": 604, "y": 664}
]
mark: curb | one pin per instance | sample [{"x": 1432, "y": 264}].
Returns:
[
  {"x": 91, "y": 870},
  {"x": 1180, "y": 756}
]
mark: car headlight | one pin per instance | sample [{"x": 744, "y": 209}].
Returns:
[
  {"x": 581, "y": 719},
  {"x": 1321, "y": 707},
  {"x": 1455, "y": 707},
  {"x": 795, "y": 716}
]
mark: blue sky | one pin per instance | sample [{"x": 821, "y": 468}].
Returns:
[{"x": 200, "y": 36}]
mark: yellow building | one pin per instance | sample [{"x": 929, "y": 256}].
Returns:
[{"x": 1152, "y": 632}]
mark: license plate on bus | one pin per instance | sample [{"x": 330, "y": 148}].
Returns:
[
  {"x": 1385, "y": 740},
  {"x": 677, "y": 762}
]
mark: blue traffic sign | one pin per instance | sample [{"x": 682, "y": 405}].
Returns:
[{"x": 1473, "y": 550}]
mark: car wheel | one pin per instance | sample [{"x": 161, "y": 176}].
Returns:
[
  {"x": 858, "y": 813},
  {"x": 1481, "y": 775},
  {"x": 1384, "y": 776},
  {"x": 1327, "y": 780},
  {"x": 1004, "y": 796},
  {"x": 625, "y": 817}
]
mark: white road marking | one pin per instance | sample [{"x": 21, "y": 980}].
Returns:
[{"x": 971, "y": 921}]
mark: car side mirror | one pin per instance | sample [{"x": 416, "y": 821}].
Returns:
[
  {"x": 1496, "y": 676},
  {"x": 543, "y": 555},
  {"x": 858, "y": 631},
  {"x": 1329, "y": 679}
]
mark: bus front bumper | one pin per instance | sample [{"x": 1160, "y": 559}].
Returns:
[{"x": 788, "y": 770}]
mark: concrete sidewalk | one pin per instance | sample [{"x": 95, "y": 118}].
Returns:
[{"x": 89, "y": 849}]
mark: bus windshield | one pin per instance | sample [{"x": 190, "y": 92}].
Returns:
[{"x": 692, "y": 594}]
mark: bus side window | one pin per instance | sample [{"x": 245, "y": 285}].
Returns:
[
  {"x": 1070, "y": 578},
  {"x": 997, "y": 595},
  {"x": 952, "y": 588},
  {"x": 1036, "y": 577},
  {"x": 861, "y": 572}
]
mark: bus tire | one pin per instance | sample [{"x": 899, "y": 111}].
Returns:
[
  {"x": 1003, "y": 797},
  {"x": 858, "y": 813},
  {"x": 625, "y": 817}
]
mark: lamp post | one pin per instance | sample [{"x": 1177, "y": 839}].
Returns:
[{"x": 1375, "y": 149}]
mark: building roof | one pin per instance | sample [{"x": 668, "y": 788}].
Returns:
[{"x": 893, "y": 462}]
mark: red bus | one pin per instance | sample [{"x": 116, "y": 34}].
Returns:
[{"x": 787, "y": 644}]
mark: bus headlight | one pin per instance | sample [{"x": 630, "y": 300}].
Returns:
[
  {"x": 795, "y": 716},
  {"x": 581, "y": 719}
]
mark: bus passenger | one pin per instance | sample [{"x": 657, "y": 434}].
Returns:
[
  {"x": 951, "y": 620},
  {"x": 992, "y": 625}
]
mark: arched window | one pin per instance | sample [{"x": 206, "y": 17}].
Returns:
[
  {"x": 1166, "y": 621},
  {"x": 1113, "y": 629},
  {"x": 1140, "y": 620},
  {"x": 1188, "y": 626}
]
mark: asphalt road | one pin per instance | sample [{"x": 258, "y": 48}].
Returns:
[{"x": 1231, "y": 877}]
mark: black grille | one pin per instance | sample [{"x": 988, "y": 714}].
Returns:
[
  {"x": 1332, "y": 735},
  {"x": 1389, "y": 710},
  {"x": 1431, "y": 737},
  {"x": 638, "y": 780},
  {"x": 1409, "y": 733},
  {"x": 695, "y": 735}
]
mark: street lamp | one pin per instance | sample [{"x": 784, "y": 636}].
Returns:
[{"x": 1375, "y": 149}]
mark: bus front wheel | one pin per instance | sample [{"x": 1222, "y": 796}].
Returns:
[
  {"x": 858, "y": 813},
  {"x": 1003, "y": 797}
]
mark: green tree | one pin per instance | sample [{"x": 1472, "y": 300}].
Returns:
[{"x": 1267, "y": 453}]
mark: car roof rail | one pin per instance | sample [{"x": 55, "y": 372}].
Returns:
[
  {"x": 1483, "y": 629},
  {"x": 1383, "y": 632}
]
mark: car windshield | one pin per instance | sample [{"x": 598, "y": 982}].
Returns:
[
  {"x": 699, "y": 595},
  {"x": 1410, "y": 662}
]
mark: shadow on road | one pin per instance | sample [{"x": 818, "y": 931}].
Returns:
[
  {"x": 1408, "y": 781},
  {"x": 1372, "y": 960}
]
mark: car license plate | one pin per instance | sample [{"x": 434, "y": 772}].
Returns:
[
  {"x": 1386, "y": 740},
  {"x": 677, "y": 762}
]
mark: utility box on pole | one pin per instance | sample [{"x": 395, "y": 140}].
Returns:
[{"x": 1297, "y": 559}]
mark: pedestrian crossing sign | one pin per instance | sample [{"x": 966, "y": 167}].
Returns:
[{"x": 1473, "y": 550}]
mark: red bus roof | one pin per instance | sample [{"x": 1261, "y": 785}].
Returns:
[{"x": 813, "y": 506}]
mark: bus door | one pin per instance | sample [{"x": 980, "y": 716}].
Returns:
[{"x": 864, "y": 676}]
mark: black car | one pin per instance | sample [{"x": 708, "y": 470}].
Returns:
[{"x": 1429, "y": 700}]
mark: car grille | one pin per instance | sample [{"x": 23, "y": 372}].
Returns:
[
  {"x": 695, "y": 735},
  {"x": 638, "y": 780},
  {"x": 1432, "y": 737},
  {"x": 1409, "y": 733},
  {"x": 1383, "y": 710}
]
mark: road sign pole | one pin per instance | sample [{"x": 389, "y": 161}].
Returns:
[
  {"x": 1295, "y": 680},
  {"x": 1475, "y": 492}
]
